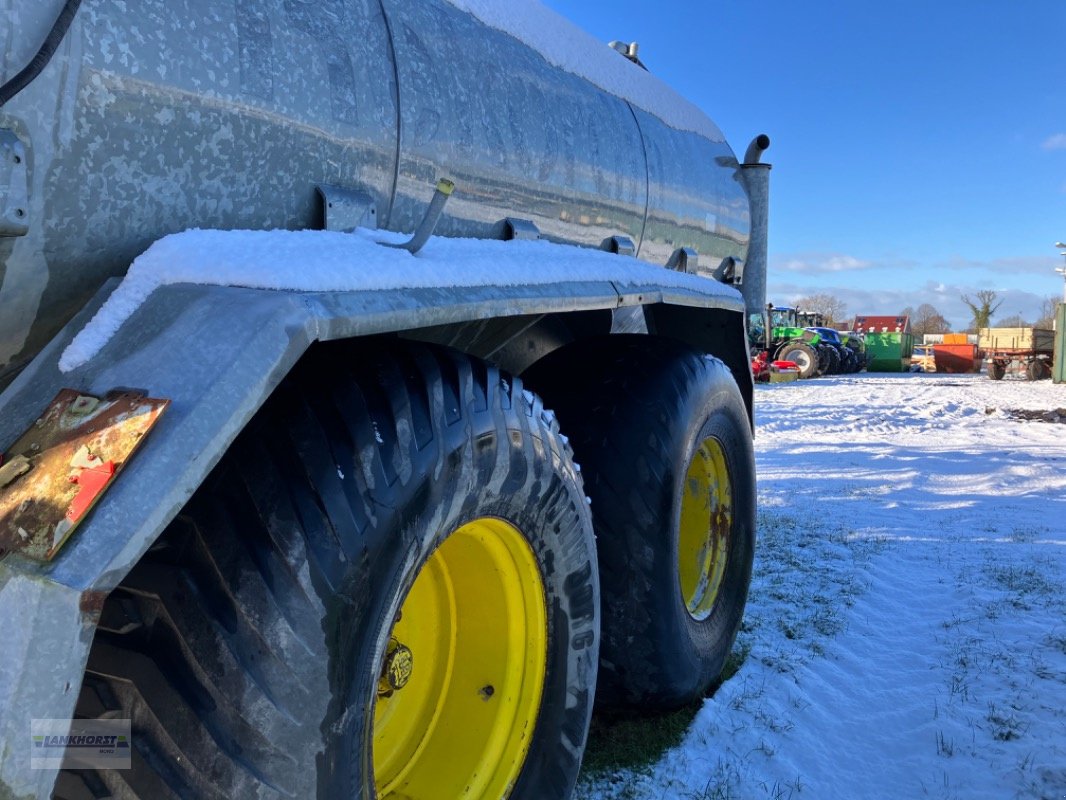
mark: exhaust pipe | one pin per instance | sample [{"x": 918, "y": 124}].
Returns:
[{"x": 755, "y": 178}]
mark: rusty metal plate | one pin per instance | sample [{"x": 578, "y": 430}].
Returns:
[{"x": 57, "y": 471}]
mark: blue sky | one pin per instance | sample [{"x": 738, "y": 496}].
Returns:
[{"x": 919, "y": 148}]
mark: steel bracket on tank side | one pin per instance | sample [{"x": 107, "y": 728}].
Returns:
[
  {"x": 622, "y": 245},
  {"x": 515, "y": 228},
  {"x": 684, "y": 259},
  {"x": 729, "y": 271},
  {"x": 14, "y": 193}
]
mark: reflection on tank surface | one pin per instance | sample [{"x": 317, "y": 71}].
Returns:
[{"x": 128, "y": 139}]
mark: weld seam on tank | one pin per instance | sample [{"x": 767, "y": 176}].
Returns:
[
  {"x": 27, "y": 74},
  {"x": 399, "y": 114},
  {"x": 647, "y": 178}
]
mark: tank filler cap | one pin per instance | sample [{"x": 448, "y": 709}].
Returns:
[{"x": 630, "y": 51}]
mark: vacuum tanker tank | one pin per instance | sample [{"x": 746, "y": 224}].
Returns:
[
  {"x": 345, "y": 548},
  {"x": 164, "y": 116}
]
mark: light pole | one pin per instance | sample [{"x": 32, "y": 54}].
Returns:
[{"x": 1062, "y": 270}]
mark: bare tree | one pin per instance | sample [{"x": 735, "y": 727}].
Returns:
[
  {"x": 982, "y": 308},
  {"x": 927, "y": 320},
  {"x": 1013, "y": 321},
  {"x": 832, "y": 308},
  {"x": 1047, "y": 312}
]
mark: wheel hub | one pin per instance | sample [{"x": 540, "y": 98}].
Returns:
[
  {"x": 462, "y": 724},
  {"x": 396, "y": 672},
  {"x": 705, "y": 529}
]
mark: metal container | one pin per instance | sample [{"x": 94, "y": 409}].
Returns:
[
  {"x": 153, "y": 117},
  {"x": 1007, "y": 340},
  {"x": 889, "y": 352},
  {"x": 956, "y": 358}
]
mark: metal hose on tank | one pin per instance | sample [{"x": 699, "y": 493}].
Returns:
[{"x": 37, "y": 64}]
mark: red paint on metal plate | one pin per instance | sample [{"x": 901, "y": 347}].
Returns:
[{"x": 75, "y": 451}]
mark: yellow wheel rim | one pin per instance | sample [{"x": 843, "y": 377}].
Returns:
[
  {"x": 705, "y": 527},
  {"x": 463, "y": 674}
]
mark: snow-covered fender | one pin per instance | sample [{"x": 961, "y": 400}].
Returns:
[{"x": 217, "y": 353}]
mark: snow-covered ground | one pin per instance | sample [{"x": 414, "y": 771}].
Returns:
[{"x": 906, "y": 628}]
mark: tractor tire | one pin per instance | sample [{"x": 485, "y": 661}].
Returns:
[
  {"x": 1036, "y": 370},
  {"x": 849, "y": 362},
  {"x": 834, "y": 360},
  {"x": 386, "y": 588},
  {"x": 996, "y": 370},
  {"x": 664, "y": 441},
  {"x": 802, "y": 354}
]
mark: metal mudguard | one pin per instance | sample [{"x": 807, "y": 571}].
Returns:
[{"x": 217, "y": 353}]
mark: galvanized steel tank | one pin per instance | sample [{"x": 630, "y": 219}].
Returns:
[{"x": 155, "y": 116}]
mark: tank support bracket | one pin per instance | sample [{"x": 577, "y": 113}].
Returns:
[
  {"x": 346, "y": 209},
  {"x": 14, "y": 195}
]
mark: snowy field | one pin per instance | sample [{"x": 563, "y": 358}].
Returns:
[{"x": 906, "y": 628}]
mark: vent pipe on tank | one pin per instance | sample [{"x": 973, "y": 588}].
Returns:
[{"x": 755, "y": 178}]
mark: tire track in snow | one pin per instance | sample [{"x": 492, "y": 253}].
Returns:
[{"x": 906, "y": 626}]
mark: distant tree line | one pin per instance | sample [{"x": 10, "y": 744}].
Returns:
[
  {"x": 832, "y": 308},
  {"x": 927, "y": 319}
]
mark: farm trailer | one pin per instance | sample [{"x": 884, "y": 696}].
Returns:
[
  {"x": 1028, "y": 351},
  {"x": 354, "y": 554}
]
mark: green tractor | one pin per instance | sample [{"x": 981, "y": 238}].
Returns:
[
  {"x": 856, "y": 344},
  {"x": 783, "y": 338},
  {"x": 841, "y": 352}
]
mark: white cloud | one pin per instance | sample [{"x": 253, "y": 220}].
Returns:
[
  {"x": 1034, "y": 265},
  {"x": 1056, "y": 141},
  {"x": 819, "y": 263}
]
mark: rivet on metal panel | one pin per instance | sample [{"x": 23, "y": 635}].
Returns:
[{"x": 84, "y": 405}]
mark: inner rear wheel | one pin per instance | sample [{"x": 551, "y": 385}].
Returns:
[
  {"x": 704, "y": 532},
  {"x": 464, "y": 669},
  {"x": 663, "y": 438}
]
